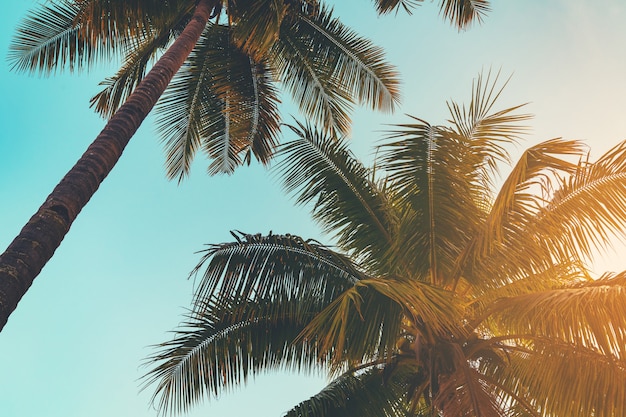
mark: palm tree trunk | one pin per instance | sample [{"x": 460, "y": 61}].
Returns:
[{"x": 41, "y": 236}]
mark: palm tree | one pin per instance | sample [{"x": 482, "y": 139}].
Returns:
[
  {"x": 444, "y": 298},
  {"x": 224, "y": 99}
]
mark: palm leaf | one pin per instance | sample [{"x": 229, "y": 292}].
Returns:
[
  {"x": 321, "y": 170},
  {"x": 357, "y": 64},
  {"x": 140, "y": 51},
  {"x": 463, "y": 13},
  {"x": 591, "y": 313},
  {"x": 222, "y": 102},
  {"x": 465, "y": 392},
  {"x": 49, "y": 39},
  {"x": 367, "y": 393},
  {"x": 309, "y": 80},
  {"x": 561, "y": 379},
  {"x": 388, "y": 6},
  {"x": 256, "y": 267},
  {"x": 257, "y": 24},
  {"x": 227, "y": 342},
  {"x": 428, "y": 169},
  {"x": 370, "y": 313},
  {"x": 587, "y": 209}
]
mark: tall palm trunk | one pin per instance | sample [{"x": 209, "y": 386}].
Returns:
[{"x": 41, "y": 236}]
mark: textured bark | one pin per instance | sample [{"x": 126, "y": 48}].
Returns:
[{"x": 41, "y": 236}]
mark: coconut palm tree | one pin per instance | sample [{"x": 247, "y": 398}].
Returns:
[
  {"x": 223, "y": 101},
  {"x": 442, "y": 296}
]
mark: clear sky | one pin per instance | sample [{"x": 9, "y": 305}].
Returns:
[{"x": 117, "y": 285}]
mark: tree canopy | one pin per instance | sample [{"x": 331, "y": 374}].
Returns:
[{"x": 444, "y": 295}]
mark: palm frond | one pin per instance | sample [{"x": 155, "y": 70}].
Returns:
[
  {"x": 256, "y": 267},
  {"x": 364, "y": 321},
  {"x": 357, "y": 64},
  {"x": 513, "y": 214},
  {"x": 388, "y": 6},
  {"x": 465, "y": 392},
  {"x": 257, "y": 24},
  {"x": 487, "y": 131},
  {"x": 309, "y": 80},
  {"x": 320, "y": 170},
  {"x": 225, "y": 344},
  {"x": 367, "y": 393},
  {"x": 49, "y": 39},
  {"x": 428, "y": 169},
  {"x": 588, "y": 313},
  {"x": 560, "y": 379},
  {"x": 586, "y": 209},
  {"x": 462, "y": 13},
  {"x": 140, "y": 51},
  {"x": 222, "y": 102},
  {"x": 121, "y": 85}
]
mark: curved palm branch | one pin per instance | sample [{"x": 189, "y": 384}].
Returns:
[
  {"x": 359, "y": 394},
  {"x": 256, "y": 267},
  {"x": 256, "y": 297},
  {"x": 141, "y": 51},
  {"x": 74, "y": 34},
  {"x": 463, "y": 13},
  {"x": 220, "y": 101},
  {"x": 259, "y": 23},
  {"x": 591, "y": 313},
  {"x": 322, "y": 171},
  {"x": 371, "y": 312},
  {"x": 228, "y": 341},
  {"x": 351, "y": 70},
  {"x": 513, "y": 214},
  {"x": 552, "y": 378},
  {"x": 587, "y": 208},
  {"x": 427, "y": 171},
  {"x": 49, "y": 39},
  {"x": 487, "y": 131},
  {"x": 355, "y": 61}
]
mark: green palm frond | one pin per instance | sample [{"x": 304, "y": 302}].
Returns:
[
  {"x": 388, "y": 6},
  {"x": 49, "y": 39},
  {"x": 428, "y": 169},
  {"x": 587, "y": 209},
  {"x": 309, "y": 81},
  {"x": 231, "y": 340},
  {"x": 589, "y": 313},
  {"x": 327, "y": 68},
  {"x": 222, "y": 102},
  {"x": 559, "y": 379},
  {"x": 121, "y": 85},
  {"x": 370, "y": 313},
  {"x": 74, "y": 34},
  {"x": 487, "y": 131},
  {"x": 357, "y": 64},
  {"x": 366, "y": 393},
  {"x": 513, "y": 215},
  {"x": 361, "y": 324},
  {"x": 493, "y": 284},
  {"x": 462, "y": 13},
  {"x": 113, "y": 21},
  {"x": 527, "y": 186},
  {"x": 140, "y": 51},
  {"x": 257, "y": 24},
  {"x": 256, "y": 267},
  {"x": 320, "y": 170}
]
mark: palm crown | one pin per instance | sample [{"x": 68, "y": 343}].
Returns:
[
  {"x": 446, "y": 299},
  {"x": 224, "y": 98}
]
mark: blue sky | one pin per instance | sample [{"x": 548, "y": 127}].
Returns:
[{"x": 118, "y": 283}]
